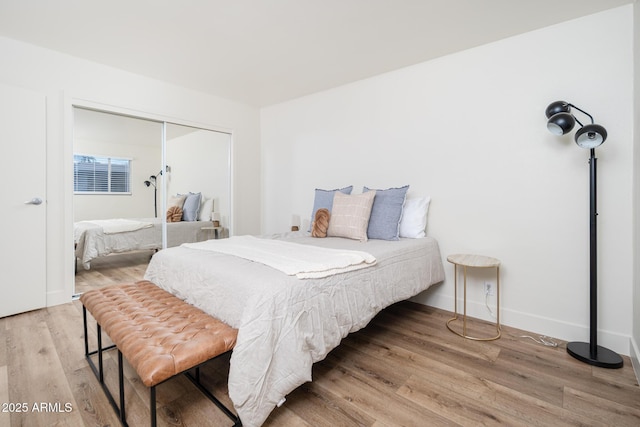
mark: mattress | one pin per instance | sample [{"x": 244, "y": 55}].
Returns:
[
  {"x": 92, "y": 242},
  {"x": 285, "y": 324}
]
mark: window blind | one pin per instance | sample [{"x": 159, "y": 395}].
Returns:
[{"x": 94, "y": 174}]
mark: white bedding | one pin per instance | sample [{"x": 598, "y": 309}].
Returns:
[
  {"x": 93, "y": 240},
  {"x": 116, "y": 225},
  {"x": 302, "y": 261},
  {"x": 285, "y": 324}
]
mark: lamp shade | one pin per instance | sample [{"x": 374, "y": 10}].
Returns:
[
  {"x": 561, "y": 123},
  {"x": 557, "y": 107},
  {"x": 591, "y": 136}
]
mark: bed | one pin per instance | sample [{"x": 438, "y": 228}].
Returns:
[
  {"x": 287, "y": 323},
  {"x": 99, "y": 238}
]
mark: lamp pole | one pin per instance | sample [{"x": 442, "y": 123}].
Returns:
[
  {"x": 591, "y": 352},
  {"x": 149, "y": 183},
  {"x": 593, "y": 256}
]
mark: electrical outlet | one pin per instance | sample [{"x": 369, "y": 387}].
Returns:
[{"x": 488, "y": 288}]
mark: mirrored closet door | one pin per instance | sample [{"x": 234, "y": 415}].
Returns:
[
  {"x": 198, "y": 160},
  {"x": 124, "y": 192}
]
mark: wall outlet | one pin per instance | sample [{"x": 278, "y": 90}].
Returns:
[{"x": 488, "y": 288}]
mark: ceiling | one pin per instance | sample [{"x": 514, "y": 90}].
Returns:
[{"x": 262, "y": 52}]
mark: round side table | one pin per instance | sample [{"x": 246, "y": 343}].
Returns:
[{"x": 475, "y": 261}]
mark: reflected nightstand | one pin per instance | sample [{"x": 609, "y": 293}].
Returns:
[{"x": 216, "y": 231}]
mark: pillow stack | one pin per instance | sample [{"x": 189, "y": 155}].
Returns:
[
  {"x": 375, "y": 214},
  {"x": 192, "y": 207}
]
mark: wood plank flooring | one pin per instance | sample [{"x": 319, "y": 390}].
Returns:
[
  {"x": 111, "y": 269},
  {"x": 404, "y": 369}
]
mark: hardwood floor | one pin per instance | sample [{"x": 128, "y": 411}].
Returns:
[
  {"x": 405, "y": 368},
  {"x": 111, "y": 269}
]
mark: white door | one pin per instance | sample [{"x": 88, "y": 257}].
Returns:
[{"x": 23, "y": 202}]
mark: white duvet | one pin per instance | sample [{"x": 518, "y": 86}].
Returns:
[
  {"x": 285, "y": 324},
  {"x": 112, "y": 226}
]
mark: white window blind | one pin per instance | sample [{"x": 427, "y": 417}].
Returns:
[{"x": 94, "y": 174}]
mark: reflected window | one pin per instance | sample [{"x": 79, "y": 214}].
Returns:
[{"x": 101, "y": 175}]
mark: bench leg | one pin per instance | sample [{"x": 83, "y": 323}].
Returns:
[
  {"x": 196, "y": 381},
  {"x": 100, "y": 363},
  {"x": 86, "y": 335},
  {"x": 99, "y": 370},
  {"x": 152, "y": 405},
  {"x": 123, "y": 417}
]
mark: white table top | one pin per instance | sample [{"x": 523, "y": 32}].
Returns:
[{"x": 469, "y": 260}]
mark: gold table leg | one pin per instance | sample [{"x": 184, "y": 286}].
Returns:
[{"x": 464, "y": 316}]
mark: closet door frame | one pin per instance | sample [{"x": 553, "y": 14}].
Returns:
[{"x": 72, "y": 103}]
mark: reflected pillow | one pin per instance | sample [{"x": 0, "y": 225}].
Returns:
[
  {"x": 324, "y": 199},
  {"x": 414, "y": 217},
  {"x": 191, "y": 207},
  {"x": 350, "y": 215},
  {"x": 206, "y": 208},
  {"x": 386, "y": 212},
  {"x": 177, "y": 200},
  {"x": 174, "y": 214}
]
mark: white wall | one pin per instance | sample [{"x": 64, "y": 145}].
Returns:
[
  {"x": 139, "y": 203},
  {"x": 469, "y": 130},
  {"x": 66, "y": 79},
  {"x": 199, "y": 163}
]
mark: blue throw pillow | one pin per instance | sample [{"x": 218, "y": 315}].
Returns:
[
  {"x": 191, "y": 207},
  {"x": 324, "y": 199},
  {"x": 384, "y": 222}
]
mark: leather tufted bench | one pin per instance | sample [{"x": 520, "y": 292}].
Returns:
[{"x": 160, "y": 335}]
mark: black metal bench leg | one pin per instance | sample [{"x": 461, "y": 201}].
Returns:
[
  {"x": 99, "y": 370},
  {"x": 123, "y": 416},
  {"x": 100, "y": 365},
  {"x": 152, "y": 405},
  {"x": 86, "y": 335}
]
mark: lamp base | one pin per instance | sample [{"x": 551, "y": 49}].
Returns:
[{"x": 604, "y": 358}]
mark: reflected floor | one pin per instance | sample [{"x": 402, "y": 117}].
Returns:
[{"x": 112, "y": 269}]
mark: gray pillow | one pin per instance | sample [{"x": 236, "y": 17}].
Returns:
[
  {"x": 324, "y": 199},
  {"x": 384, "y": 223},
  {"x": 191, "y": 207}
]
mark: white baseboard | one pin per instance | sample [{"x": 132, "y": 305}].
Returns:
[
  {"x": 530, "y": 322},
  {"x": 635, "y": 361}
]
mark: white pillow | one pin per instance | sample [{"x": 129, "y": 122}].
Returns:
[
  {"x": 206, "y": 208},
  {"x": 414, "y": 217}
]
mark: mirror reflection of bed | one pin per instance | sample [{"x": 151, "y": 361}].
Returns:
[{"x": 115, "y": 148}]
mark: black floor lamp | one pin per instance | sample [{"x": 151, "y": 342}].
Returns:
[
  {"x": 153, "y": 180},
  {"x": 561, "y": 121}
]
